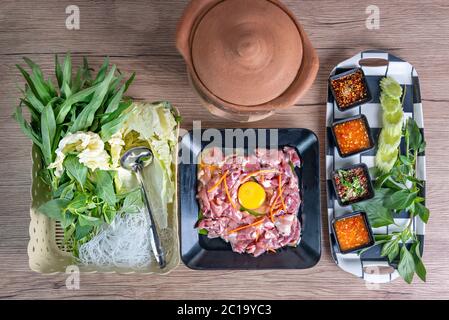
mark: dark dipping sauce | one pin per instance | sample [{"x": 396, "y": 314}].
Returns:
[
  {"x": 351, "y": 185},
  {"x": 349, "y": 89}
]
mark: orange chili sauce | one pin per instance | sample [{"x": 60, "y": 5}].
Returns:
[
  {"x": 352, "y": 136},
  {"x": 351, "y": 232}
]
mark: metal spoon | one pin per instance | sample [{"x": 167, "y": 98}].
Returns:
[{"x": 136, "y": 159}]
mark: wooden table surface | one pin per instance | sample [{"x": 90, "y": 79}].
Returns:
[{"x": 139, "y": 36}]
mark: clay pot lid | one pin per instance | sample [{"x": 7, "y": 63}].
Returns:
[{"x": 246, "y": 52}]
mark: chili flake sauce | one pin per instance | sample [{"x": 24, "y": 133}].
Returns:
[
  {"x": 349, "y": 89},
  {"x": 352, "y": 232},
  {"x": 352, "y": 136}
]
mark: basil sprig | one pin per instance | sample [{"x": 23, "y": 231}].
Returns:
[{"x": 396, "y": 191}]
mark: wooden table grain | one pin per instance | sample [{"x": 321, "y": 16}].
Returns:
[{"x": 139, "y": 36}]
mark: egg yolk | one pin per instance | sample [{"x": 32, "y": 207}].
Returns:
[{"x": 251, "y": 195}]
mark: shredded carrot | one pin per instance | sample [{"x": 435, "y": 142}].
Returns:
[
  {"x": 256, "y": 173},
  {"x": 248, "y": 225},
  {"x": 280, "y": 192},
  {"x": 216, "y": 185},
  {"x": 229, "y": 195},
  {"x": 211, "y": 166},
  {"x": 271, "y": 250},
  {"x": 272, "y": 213}
]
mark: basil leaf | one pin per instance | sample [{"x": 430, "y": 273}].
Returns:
[
  {"x": 66, "y": 106},
  {"x": 252, "y": 212},
  {"x": 87, "y": 115},
  {"x": 420, "y": 269},
  {"x": 85, "y": 220},
  {"x": 378, "y": 215},
  {"x": 133, "y": 202},
  {"x": 203, "y": 232},
  {"x": 415, "y": 137},
  {"x": 400, "y": 199},
  {"x": 78, "y": 204},
  {"x": 422, "y": 211},
  {"x": 54, "y": 208},
  {"x": 105, "y": 187},
  {"x": 39, "y": 92},
  {"x": 48, "y": 130},
  {"x": 58, "y": 71},
  {"x": 82, "y": 231},
  {"x": 25, "y": 127},
  {"x": 75, "y": 169},
  {"x": 406, "y": 267},
  {"x": 391, "y": 249}
]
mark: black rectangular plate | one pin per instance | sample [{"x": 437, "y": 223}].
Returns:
[{"x": 200, "y": 252}]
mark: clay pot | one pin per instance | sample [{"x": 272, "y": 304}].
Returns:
[{"x": 245, "y": 58}]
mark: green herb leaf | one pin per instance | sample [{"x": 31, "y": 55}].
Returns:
[
  {"x": 422, "y": 211},
  {"x": 68, "y": 192},
  {"x": 406, "y": 267},
  {"x": 203, "y": 232},
  {"x": 400, "y": 199},
  {"x": 66, "y": 106},
  {"x": 82, "y": 231},
  {"x": 48, "y": 130},
  {"x": 252, "y": 212},
  {"x": 26, "y": 128},
  {"x": 420, "y": 269},
  {"x": 67, "y": 219},
  {"x": 105, "y": 187},
  {"x": 405, "y": 160},
  {"x": 381, "y": 180},
  {"x": 85, "y": 220},
  {"x": 378, "y": 215},
  {"x": 414, "y": 134},
  {"x": 78, "y": 204},
  {"x": 109, "y": 213},
  {"x": 87, "y": 115},
  {"x": 54, "y": 208},
  {"x": 58, "y": 71},
  {"x": 133, "y": 202},
  {"x": 391, "y": 249},
  {"x": 75, "y": 169}
]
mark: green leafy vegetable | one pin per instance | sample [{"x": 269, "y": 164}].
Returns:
[
  {"x": 396, "y": 190},
  {"x": 378, "y": 214},
  {"x": 76, "y": 170},
  {"x": 406, "y": 267},
  {"x": 54, "y": 208},
  {"x": 105, "y": 187},
  {"x": 82, "y": 198}
]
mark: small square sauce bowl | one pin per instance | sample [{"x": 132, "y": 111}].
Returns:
[
  {"x": 350, "y": 89},
  {"x": 352, "y": 136},
  {"x": 352, "y": 184},
  {"x": 353, "y": 232}
]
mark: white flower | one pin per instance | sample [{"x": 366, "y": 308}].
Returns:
[{"x": 90, "y": 149}]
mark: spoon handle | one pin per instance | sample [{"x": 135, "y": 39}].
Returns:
[{"x": 155, "y": 242}]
